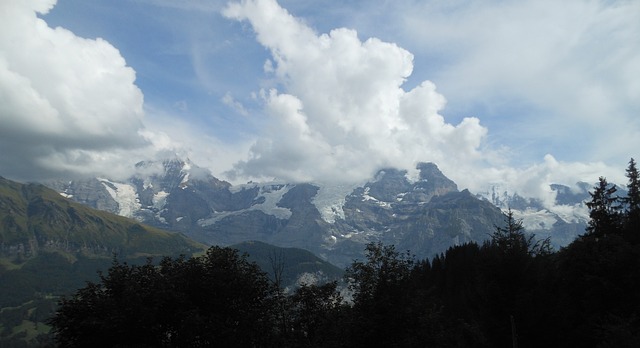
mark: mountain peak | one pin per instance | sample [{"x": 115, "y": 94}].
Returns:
[{"x": 430, "y": 171}]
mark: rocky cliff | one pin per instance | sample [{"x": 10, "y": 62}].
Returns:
[{"x": 426, "y": 214}]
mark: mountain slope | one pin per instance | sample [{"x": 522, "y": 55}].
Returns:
[
  {"x": 34, "y": 218},
  {"x": 50, "y": 246},
  {"x": 292, "y": 264},
  {"x": 561, "y": 219},
  {"x": 332, "y": 221}
]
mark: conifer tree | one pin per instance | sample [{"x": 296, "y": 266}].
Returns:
[
  {"x": 604, "y": 210},
  {"x": 511, "y": 239},
  {"x": 632, "y": 203}
]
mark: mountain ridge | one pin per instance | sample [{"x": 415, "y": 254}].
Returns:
[
  {"x": 332, "y": 221},
  {"x": 50, "y": 246},
  {"x": 35, "y": 217}
]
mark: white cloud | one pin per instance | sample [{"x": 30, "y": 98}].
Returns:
[
  {"x": 68, "y": 105},
  {"x": 337, "y": 106},
  {"x": 558, "y": 70},
  {"x": 206, "y": 6},
  {"x": 235, "y": 105},
  {"x": 172, "y": 136},
  {"x": 342, "y": 113},
  {"x": 340, "y": 110}
]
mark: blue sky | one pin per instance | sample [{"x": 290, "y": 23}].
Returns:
[{"x": 522, "y": 93}]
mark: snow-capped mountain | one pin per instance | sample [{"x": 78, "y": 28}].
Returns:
[
  {"x": 426, "y": 214},
  {"x": 562, "y": 219}
]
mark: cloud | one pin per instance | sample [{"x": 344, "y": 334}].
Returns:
[
  {"x": 339, "y": 109},
  {"x": 553, "y": 88},
  {"x": 559, "y": 71},
  {"x": 206, "y": 6},
  {"x": 342, "y": 112},
  {"x": 172, "y": 135},
  {"x": 68, "y": 105},
  {"x": 234, "y": 104}
]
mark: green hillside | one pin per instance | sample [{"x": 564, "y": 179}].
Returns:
[
  {"x": 34, "y": 218},
  {"x": 50, "y": 246},
  {"x": 291, "y": 261}
]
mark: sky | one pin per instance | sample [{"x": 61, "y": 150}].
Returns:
[{"x": 517, "y": 93}]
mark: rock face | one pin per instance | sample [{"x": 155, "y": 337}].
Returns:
[
  {"x": 90, "y": 192},
  {"x": 562, "y": 220},
  {"x": 425, "y": 216}
]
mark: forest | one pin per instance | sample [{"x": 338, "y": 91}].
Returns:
[{"x": 511, "y": 291}]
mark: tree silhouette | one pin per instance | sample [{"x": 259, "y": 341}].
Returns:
[
  {"x": 511, "y": 238},
  {"x": 632, "y": 202},
  {"x": 216, "y": 299},
  {"x": 604, "y": 210}
]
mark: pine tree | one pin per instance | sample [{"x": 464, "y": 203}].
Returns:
[
  {"x": 633, "y": 187},
  {"x": 632, "y": 204},
  {"x": 604, "y": 210},
  {"x": 511, "y": 239}
]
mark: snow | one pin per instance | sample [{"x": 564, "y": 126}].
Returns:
[
  {"x": 272, "y": 193},
  {"x": 185, "y": 178},
  {"x": 572, "y": 213},
  {"x": 400, "y": 196},
  {"x": 159, "y": 200},
  {"x": 366, "y": 197},
  {"x": 535, "y": 219},
  {"x": 544, "y": 219},
  {"x": 65, "y": 195},
  {"x": 125, "y": 195},
  {"x": 330, "y": 200},
  {"x": 217, "y": 216}
]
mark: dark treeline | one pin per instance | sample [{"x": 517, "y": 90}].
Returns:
[{"x": 512, "y": 291}]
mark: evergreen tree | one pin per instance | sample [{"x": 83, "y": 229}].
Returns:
[
  {"x": 604, "y": 210},
  {"x": 632, "y": 203},
  {"x": 508, "y": 269},
  {"x": 633, "y": 186},
  {"x": 512, "y": 239}
]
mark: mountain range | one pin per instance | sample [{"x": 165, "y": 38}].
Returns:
[
  {"x": 50, "y": 246},
  {"x": 561, "y": 220},
  {"x": 54, "y": 239},
  {"x": 424, "y": 214}
]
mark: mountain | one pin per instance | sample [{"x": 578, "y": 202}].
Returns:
[
  {"x": 34, "y": 218},
  {"x": 293, "y": 266},
  {"x": 426, "y": 214},
  {"x": 50, "y": 246},
  {"x": 562, "y": 219}
]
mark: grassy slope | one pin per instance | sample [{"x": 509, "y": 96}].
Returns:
[
  {"x": 32, "y": 211},
  {"x": 50, "y": 246}
]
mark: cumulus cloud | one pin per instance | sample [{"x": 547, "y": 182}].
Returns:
[
  {"x": 572, "y": 65},
  {"x": 171, "y": 136},
  {"x": 68, "y": 105},
  {"x": 341, "y": 112},
  {"x": 337, "y": 106}
]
